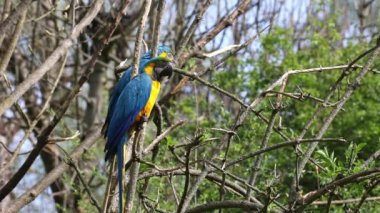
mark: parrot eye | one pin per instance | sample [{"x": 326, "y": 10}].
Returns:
[{"x": 170, "y": 57}]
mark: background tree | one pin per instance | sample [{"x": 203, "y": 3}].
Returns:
[{"x": 274, "y": 105}]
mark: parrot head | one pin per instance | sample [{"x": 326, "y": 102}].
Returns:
[{"x": 159, "y": 67}]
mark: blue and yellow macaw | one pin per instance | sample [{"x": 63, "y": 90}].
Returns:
[
  {"x": 124, "y": 80},
  {"x": 132, "y": 102}
]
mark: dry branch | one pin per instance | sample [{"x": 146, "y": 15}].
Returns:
[
  {"x": 36, "y": 75},
  {"x": 11, "y": 47},
  {"x": 157, "y": 26},
  {"x": 193, "y": 26},
  {"x": 139, "y": 38},
  {"x": 56, "y": 173},
  {"x": 346, "y": 201},
  {"x": 226, "y": 204}
]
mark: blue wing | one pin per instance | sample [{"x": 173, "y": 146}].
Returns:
[
  {"x": 120, "y": 85},
  {"x": 131, "y": 101}
]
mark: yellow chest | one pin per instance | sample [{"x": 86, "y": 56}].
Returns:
[{"x": 151, "y": 101}]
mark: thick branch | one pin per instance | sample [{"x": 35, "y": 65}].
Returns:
[
  {"x": 157, "y": 26},
  {"x": 139, "y": 38},
  {"x": 226, "y": 204}
]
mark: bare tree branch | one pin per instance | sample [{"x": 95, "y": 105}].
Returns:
[
  {"x": 226, "y": 204},
  {"x": 139, "y": 38},
  {"x": 56, "y": 173},
  {"x": 157, "y": 25},
  {"x": 194, "y": 25},
  {"x": 35, "y": 76},
  {"x": 11, "y": 47}
]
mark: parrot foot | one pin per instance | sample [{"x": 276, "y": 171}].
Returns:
[
  {"x": 140, "y": 124},
  {"x": 144, "y": 119}
]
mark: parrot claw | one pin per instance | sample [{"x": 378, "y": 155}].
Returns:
[{"x": 143, "y": 119}]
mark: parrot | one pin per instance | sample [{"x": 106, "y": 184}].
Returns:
[
  {"x": 124, "y": 80},
  {"x": 131, "y": 103}
]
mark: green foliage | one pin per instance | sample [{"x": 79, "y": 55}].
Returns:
[{"x": 279, "y": 52}]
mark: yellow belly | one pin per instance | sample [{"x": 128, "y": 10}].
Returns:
[{"x": 151, "y": 101}]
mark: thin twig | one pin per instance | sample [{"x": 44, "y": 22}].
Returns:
[
  {"x": 12, "y": 44},
  {"x": 226, "y": 204},
  {"x": 280, "y": 145},
  {"x": 5, "y": 13},
  {"x": 187, "y": 178},
  {"x": 221, "y": 61},
  {"x": 346, "y": 201},
  {"x": 24, "y": 116},
  {"x": 256, "y": 164},
  {"x": 7, "y": 56},
  {"x": 69, "y": 161},
  {"x": 173, "y": 189},
  {"x": 370, "y": 187},
  {"x": 107, "y": 194},
  {"x": 347, "y": 71},
  {"x": 236, "y": 189},
  {"x": 223, "y": 23},
  {"x": 16, "y": 12},
  {"x": 54, "y": 140},
  {"x": 373, "y": 157},
  {"x": 193, "y": 26},
  {"x": 159, "y": 138}
]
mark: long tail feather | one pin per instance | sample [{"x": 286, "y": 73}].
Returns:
[{"x": 120, "y": 174}]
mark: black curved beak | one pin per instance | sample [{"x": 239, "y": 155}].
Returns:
[{"x": 165, "y": 69}]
